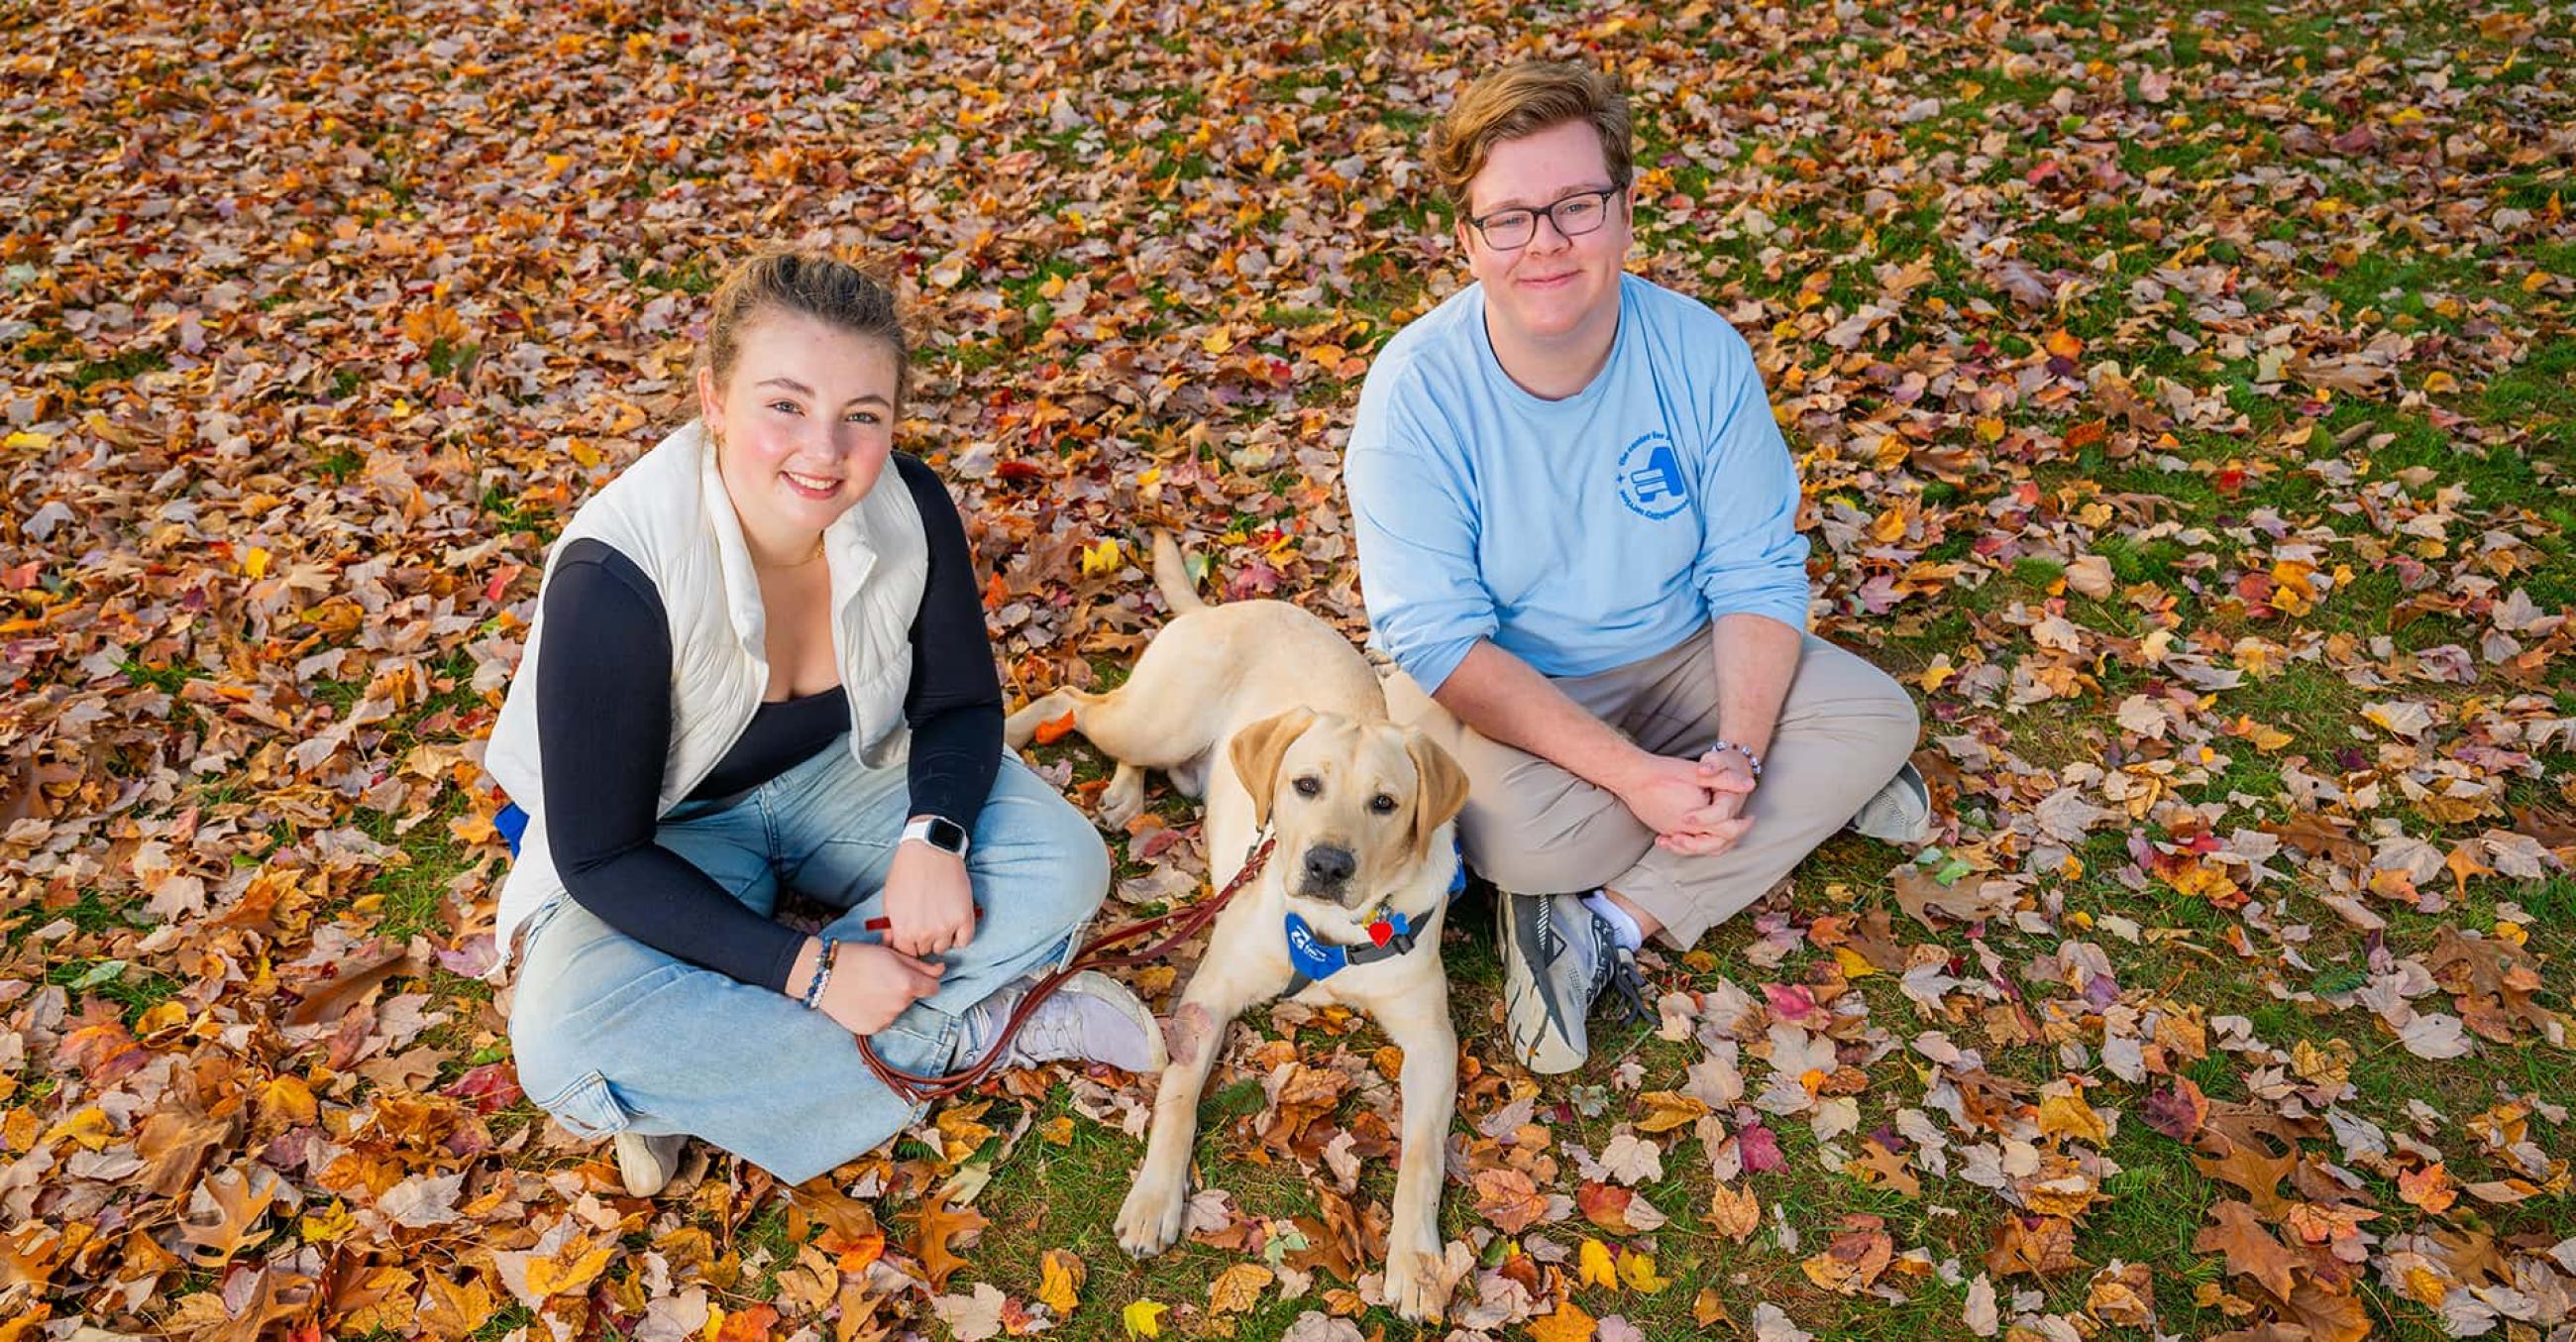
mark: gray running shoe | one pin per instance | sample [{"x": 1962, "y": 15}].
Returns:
[
  {"x": 647, "y": 1163},
  {"x": 1092, "y": 1018},
  {"x": 1558, "y": 958},
  {"x": 1900, "y": 813}
]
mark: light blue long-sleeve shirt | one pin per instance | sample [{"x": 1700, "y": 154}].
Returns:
[{"x": 1579, "y": 534}]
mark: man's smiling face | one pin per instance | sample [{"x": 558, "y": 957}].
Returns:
[{"x": 1553, "y": 285}]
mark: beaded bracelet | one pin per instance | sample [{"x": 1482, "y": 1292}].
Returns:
[
  {"x": 822, "y": 975},
  {"x": 1745, "y": 751}
]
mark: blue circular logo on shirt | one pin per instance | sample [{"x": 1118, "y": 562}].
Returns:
[{"x": 1651, "y": 482}]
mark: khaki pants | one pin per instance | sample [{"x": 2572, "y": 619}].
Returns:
[{"x": 1533, "y": 828}]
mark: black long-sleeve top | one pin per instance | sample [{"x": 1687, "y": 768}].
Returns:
[{"x": 604, "y": 729}]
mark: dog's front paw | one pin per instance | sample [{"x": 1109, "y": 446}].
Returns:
[
  {"x": 1124, "y": 799},
  {"x": 1413, "y": 1285},
  {"x": 1151, "y": 1218}
]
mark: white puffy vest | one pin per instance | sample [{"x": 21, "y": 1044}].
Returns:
[{"x": 670, "y": 514}]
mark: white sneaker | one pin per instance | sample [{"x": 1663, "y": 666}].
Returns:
[
  {"x": 647, "y": 1163},
  {"x": 1092, "y": 1018},
  {"x": 1900, "y": 813}
]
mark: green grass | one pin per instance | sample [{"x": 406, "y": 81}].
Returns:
[
  {"x": 2496, "y": 435},
  {"x": 122, "y": 367}
]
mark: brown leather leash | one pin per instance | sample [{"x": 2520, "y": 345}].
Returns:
[{"x": 1096, "y": 955}]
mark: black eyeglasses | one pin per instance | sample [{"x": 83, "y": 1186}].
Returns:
[{"x": 1574, "y": 216}]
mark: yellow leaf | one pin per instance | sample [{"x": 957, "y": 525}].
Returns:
[
  {"x": 1667, "y": 1110},
  {"x": 1990, "y": 429},
  {"x": 2068, "y": 1115},
  {"x": 1101, "y": 558},
  {"x": 287, "y": 1101},
  {"x": 89, "y": 1127},
  {"x": 2064, "y": 344},
  {"x": 573, "y": 1266},
  {"x": 1593, "y": 1265},
  {"x": 27, "y": 441},
  {"x": 1854, "y": 967},
  {"x": 958, "y": 1124},
  {"x": 256, "y": 562},
  {"x": 1060, "y": 1276},
  {"x": 1238, "y": 1288},
  {"x": 1889, "y": 528},
  {"x": 1057, "y": 1131},
  {"x": 1568, "y": 1324},
  {"x": 455, "y": 1309},
  {"x": 164, "y": 1016},
  {"x": 328, "y": 1225},
  {"x": 1217, "y": 342},
  {"x": 1638, "y": 1270},
  {"x": 1144, "y": 1318}
]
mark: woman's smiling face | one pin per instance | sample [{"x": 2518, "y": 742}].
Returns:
[{"x": 804, "y": 423}]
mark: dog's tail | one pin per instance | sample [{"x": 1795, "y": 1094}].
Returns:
[{"x": 1172, "y": 575}]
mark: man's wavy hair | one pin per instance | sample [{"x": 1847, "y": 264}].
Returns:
[{"x": 1521, "y": 100}]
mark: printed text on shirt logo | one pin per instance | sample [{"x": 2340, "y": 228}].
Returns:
[{"x": 1651, "y": 482}]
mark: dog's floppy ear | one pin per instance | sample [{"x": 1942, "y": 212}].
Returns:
[
  {"x": 1439, "y": 794},
  {"x": 1256, "y": 751}
]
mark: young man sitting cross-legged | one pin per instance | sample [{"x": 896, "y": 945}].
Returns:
[{"x": 1577, "y": 537}]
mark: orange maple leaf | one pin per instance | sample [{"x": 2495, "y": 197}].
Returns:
[{"x": 939, "y": 1223}]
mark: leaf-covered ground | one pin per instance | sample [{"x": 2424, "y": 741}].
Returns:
[{"x": 2184, "y": 404}]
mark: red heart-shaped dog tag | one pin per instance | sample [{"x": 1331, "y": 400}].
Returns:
[{"x": 1381, "y": 931}]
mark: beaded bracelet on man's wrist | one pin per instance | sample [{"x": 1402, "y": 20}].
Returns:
[{"x": 1746, "y": 751}]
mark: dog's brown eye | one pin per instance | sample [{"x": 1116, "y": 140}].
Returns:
[
  {"x": 1307, "y": 787},
  {"x": 1382, "y": 804}
]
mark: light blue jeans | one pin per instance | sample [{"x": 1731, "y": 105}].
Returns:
[{"x": 613, "y": 1035}]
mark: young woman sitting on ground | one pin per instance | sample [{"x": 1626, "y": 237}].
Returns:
[{"x": 760, "y": 664}]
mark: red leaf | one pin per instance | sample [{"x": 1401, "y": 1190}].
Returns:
[
  {"x": 1759, "y": 1148},
  {"x": 492, "y": 1087}
]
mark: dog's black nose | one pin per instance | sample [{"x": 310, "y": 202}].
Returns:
[{"x": 1327, "y": 865}]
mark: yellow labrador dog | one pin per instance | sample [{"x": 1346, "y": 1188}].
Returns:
[{"x": 1348, "y": 908}]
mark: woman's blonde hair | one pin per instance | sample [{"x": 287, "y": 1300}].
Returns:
[
  {"x": 1521, "y": 100},
  {"x": 813, "y": 283}
]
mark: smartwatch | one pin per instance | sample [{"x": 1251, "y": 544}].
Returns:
[{"x": 939, "y": 832}]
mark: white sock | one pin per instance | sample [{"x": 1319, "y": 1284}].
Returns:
[{"x": 1621, "y": 925}]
